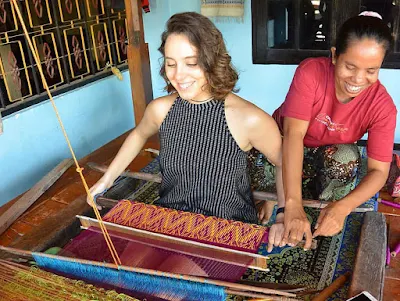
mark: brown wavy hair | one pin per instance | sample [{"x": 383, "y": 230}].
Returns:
[{"x": 213, "y": 58}]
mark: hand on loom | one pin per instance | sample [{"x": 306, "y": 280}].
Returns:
[
  {"x": 98, "y": 188},
  {"x": 265, "y": 210},
  {"x": 275, "y": 234},
  {"x": 331, "y": 220},
  {"x": 296, "y": 226}
]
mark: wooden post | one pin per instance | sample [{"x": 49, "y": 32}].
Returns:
[
  {"x": 1, "y": 125},
  {"x": 138, "y": 59},
  {"x": 369, "y": 267}
]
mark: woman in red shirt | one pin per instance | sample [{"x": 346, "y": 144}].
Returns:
[{"x": 332, "y": 103}]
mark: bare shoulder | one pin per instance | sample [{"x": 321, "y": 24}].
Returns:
[
  {"x": 163, "y": 102},
  {"x": 247, "y": 112},
  {"x": 159, "y": 107}
]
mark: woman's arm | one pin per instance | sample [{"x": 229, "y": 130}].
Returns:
[
  {"x": 133, "y": 144},
  {"x": 380, "y": 147},
  {"x": 331, "y": 219},
  {"x": 263, "y": 134},
  {"x": 296, "y": 222}
]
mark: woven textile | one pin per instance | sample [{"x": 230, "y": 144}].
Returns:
[
  {"x": 187, "y": 225},
  {"x": 223, "y": 9},
  {"x": 313, "y": 268},
  {"x": 323, "y": 261},
  {"x": 150, "y": 253}
]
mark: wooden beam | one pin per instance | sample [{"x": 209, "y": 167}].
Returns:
[
  {"x": 135, "y": 175},
  {"x": 138, "y": 59},
  {"x": 369, "y": 267},
  {"x": 257, "y": 195},
  {"x": 32, "y": 195}
]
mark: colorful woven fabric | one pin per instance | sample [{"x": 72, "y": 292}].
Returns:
[
  {"x": 196, "y": 227},
  {"x": 151, "y": 253},
  {"x": 313, "y": 269},
  {"x": 324, "y": 260},
  {"x": 329, "y": 172}
]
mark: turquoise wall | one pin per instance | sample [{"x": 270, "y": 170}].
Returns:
[
  {"x": 32, "y": 143},
  {"x": 264, "y": 85}
]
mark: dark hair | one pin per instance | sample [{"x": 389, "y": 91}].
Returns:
[
  {"x": 360, "y": 27},
  {"x": 213, "y": 58}
]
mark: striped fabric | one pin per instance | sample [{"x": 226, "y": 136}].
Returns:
[{"x": 204, "y": 170}]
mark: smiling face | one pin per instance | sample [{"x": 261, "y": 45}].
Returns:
[
  {"x": 182, "y": 69},
  {"x": 357, "y": 68}
]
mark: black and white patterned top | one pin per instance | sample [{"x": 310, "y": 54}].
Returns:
[{"x": 203, "y": 168}]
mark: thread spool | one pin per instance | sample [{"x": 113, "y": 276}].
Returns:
[{"x": 396, "y": 250}]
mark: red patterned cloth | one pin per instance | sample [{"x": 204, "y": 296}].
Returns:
[
  {"x": 146, "y": 6},
  {"x": 393, "y": 181},
  {"x": 197, "y": 227}
]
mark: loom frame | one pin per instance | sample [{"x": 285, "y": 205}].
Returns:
[{"x": 259, "y": 262}]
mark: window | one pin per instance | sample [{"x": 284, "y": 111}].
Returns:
[
  {"x": 76, "y": 40},
  {"x": 288, "y": 31}
]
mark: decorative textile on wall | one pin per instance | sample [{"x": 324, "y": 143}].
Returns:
[
  {"x": 146, "y": 6},
  {"x": 187, "y": 225},
  {"x": 223, "y": 10}
]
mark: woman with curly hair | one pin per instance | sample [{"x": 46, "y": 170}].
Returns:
[{"x": 205, "y": 130}]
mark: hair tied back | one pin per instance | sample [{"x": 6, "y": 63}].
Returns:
[{"x": 370, "y": 14}]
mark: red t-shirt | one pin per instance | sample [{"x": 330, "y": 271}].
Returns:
[{"x": 312, "y": 97}]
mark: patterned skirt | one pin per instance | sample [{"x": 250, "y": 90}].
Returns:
[{"x": 329, "y": 172}]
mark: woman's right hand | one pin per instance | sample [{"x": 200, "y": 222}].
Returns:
[
  {"x": 101, "y": 185},
  {"x": 297, "y": 226}
]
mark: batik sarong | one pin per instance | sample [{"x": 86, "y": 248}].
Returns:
[{"x": 329, "y": 172}]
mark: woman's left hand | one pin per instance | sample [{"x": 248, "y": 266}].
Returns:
[
  {"x": 331, "y": 219},
  {"x": 265, "y": 209}
]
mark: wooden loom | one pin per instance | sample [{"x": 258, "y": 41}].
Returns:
[
  {"x": 136, "y": 51},
  {"x": 135, "y": 35}
]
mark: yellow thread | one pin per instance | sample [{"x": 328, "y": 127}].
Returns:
[
  {"x": 117, "y": 73},
  {"x": 110, "y": 245},
  {"x": 114, "y": 70}
]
